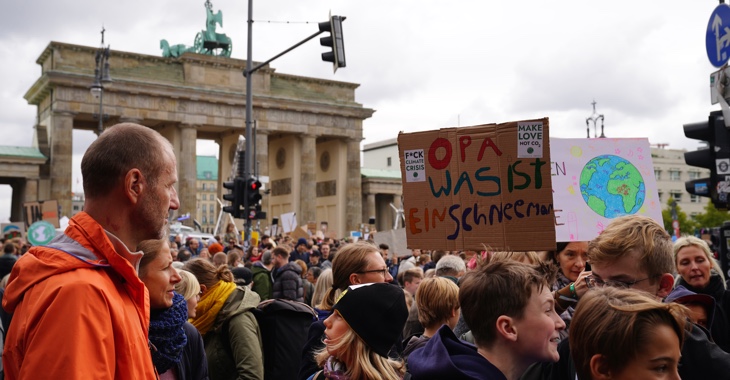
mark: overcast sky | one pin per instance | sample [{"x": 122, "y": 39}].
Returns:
[{"x": 420, "y": 64}]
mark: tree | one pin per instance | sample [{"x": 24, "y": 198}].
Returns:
[
  {"x": 712, "y": 217},
  {"x": 687, "y": 225}
]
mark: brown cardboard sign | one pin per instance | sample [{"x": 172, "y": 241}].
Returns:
[
  {"x": 487, "y": 185},
  {"x": 44, "y": 210},
  {"x": 299, "y": 232}
]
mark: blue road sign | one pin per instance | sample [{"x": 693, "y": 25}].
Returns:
[{"x": 717, "y": 39}]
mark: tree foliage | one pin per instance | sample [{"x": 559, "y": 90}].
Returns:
[
  {"x": 712, "y": 217},
  {"x": 687, "y": 225}
]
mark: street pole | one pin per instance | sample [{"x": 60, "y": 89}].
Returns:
[{"x": 249, "y": 117}]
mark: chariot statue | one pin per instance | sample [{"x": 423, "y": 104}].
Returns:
[{"x": 207, "y": 41}]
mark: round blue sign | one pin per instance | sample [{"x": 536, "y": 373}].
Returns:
[{"x": 717, "y": 39}]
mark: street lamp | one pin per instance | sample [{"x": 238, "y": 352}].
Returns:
[
  {"x": 594, "y": 118},
  {"x": 101, "y": 77}
]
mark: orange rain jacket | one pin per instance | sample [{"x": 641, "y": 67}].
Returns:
[{"x": 79, "y": 310}]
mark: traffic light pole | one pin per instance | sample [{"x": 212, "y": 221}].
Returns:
[{"x": 248, "y": 171}]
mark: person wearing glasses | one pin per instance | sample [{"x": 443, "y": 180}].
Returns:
[
  {"x": 635, "y": 252},
  {"x": 700, "y": 273},
  {"x": 355, "y": 263}
]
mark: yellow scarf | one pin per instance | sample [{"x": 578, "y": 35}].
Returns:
[{"x": 210, "y": 304}]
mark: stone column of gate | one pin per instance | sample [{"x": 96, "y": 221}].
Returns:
[
  {"x": 308, "y": 178},
  {"x": 187, "y": 172},
  {"x": 262, "y": 166},
  {"x": 353, "y": 196},
  {"x": 60, "y": 161}
]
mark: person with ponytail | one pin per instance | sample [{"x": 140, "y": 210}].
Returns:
[
  {"x": 223, "y": 316},
  {"x": 176, "y": 346},
  {"x": 355, "y": 263}
]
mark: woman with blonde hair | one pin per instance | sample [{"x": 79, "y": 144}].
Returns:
[
  {"x": 700, "y": 273},
  {"x": 620, "y": 334},
  {"x": 189, "y": 288},
  {"x": 223, "y": 316},
  {"x": 355, "y": 263},
  {"x": 324, "y": 283},
  {"x": 365, "y": 323}
]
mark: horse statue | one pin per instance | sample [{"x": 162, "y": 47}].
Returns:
[
  {"x": 174, "y": 51},
  {"x": 207, "y": 41}
]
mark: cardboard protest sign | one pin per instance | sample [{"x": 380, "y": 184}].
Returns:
[
  {"x": 597, "y": 180},
  {"x": 395, "y": 239},
  {"x": 488, "y": 185},
  {"x": 299, "y": 233},
  {"x": 13, "y": 230},
  {"x": 44, "y": 210},
  {"x": 288, "y": 221}
]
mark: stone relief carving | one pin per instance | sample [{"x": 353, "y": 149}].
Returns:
[
  {"x": 326, "y": 188},
  {"x": 281, "y": 187}
]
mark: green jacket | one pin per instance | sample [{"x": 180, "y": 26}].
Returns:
[
  {"x": 233, "y": 345},
  {"x": 262, "y": 282}
]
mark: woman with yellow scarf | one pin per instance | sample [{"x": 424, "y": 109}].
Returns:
[{"x": 223, "y": 316}]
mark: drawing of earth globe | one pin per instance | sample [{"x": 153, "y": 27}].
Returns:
[{"x": 612, "y": 186}]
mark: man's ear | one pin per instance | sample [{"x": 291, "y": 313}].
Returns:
[
  {"x": 134, "y": 185},
  {"x": 203, "y": 288},
  {"x": 506, "y": 328},
  {"x": 666, "y": 283},
  {"x": 354, "y": 279},
  {"x": 599, "y": 368}
]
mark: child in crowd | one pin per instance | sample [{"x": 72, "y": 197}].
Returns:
[
  {"x": 438, "y": 304},
  {"x": 511, "y": 311},
  {"x": 624, "y": 334}
]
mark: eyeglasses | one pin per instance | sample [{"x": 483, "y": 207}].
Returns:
[
  {"x": 384, "y": 272},
  {"x": 593, "y": 282}
]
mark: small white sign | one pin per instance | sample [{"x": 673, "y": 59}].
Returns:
[
  {"x": 723, "y": 165},
  {"x": 529, "y": 139},
  {"x": 415, "y": 162}
]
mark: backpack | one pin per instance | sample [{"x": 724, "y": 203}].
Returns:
[{"x": 284, "y": 325}]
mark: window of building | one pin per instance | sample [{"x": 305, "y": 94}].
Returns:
[
  {"x": 693, "y": 174},
  {"x": 657, "y": 174},
  {"x": 205, "y": 207},
  {"x": 676, "y": 195},
  {"x": 674, "y": 174},
  {"x": 389, "y": 161},
  {"x": 205, "y": 220},
  {"x": 660, "y": 196},
  {"x": 694, "y": 199},
  {"x": 205, "y": 197},
  {"x": 203, "y": 186}
]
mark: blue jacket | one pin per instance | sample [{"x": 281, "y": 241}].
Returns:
[{"x": 446, "y": 357}]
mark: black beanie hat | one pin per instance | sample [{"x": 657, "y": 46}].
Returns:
[{"x": 376, "y": 312}]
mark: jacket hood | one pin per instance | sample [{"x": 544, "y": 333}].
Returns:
[
  {"x": 240, "y": 301},
  {"x": 446, "y": 357},
  {"x": 66, "y": 252},
  {"x": 684, "y": 296}
]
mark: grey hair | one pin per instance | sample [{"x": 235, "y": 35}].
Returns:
[{"x": 450, "y": 265}]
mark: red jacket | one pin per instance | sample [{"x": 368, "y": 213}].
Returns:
[{"x": 79, "y": 310}]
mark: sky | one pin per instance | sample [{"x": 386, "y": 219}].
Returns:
[{"x": 421, "y": 65}]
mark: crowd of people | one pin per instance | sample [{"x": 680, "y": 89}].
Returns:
[{"x": 116, "y": 297}]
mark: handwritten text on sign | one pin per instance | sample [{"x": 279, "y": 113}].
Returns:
[{"x": 474, "y": 181}]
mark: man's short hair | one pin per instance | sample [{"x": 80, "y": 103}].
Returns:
[
  {"x": 9, "y": 247},
  {"x": 450, "y": 265},
  {"x": 281, "y": 252},
  {"x": 496, "y": 289},
  {"x": 436, "y": 297},
  {"x": 383, "y": 246},
  {"x": 266, "y": 257},
  {"x": 412, "y": 274},
  {"x": 119, "y": 149},
  {"x": 183, "y": 255},
  {"x": 635, "y": 233}
]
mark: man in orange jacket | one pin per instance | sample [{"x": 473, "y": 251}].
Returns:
[{"x": 79, "y": 309}]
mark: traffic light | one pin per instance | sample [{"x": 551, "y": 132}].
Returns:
[
  {"x": 716, "y": 158},
  {"x": 253, "y": 197},
  {"x": 335, "y": 41},
  {"x": 235, "y": 197}
]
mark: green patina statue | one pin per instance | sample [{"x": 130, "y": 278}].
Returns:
[{"x": 206, "y": 41}]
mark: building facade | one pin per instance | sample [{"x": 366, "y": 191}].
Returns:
[
  {"x": 207, "y": 208},
  {"x": 308, "y": 129},
  {"x": 670, "y": 173}
]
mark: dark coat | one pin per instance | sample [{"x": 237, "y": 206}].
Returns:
[
  {"x": 288, "y": 283},
  {"x": 720, "y": 329},
  {"x": 194, "y": 363}
]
